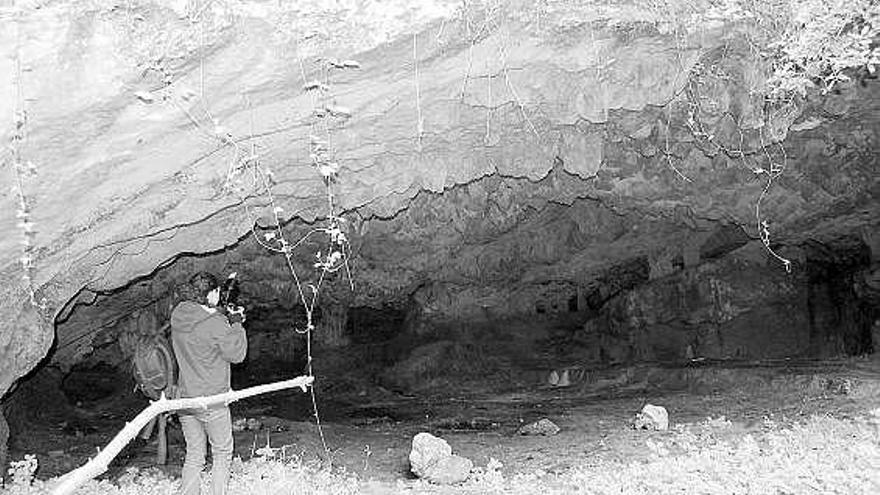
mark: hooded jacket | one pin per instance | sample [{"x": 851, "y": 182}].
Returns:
[{"x": 205, "y": 344}]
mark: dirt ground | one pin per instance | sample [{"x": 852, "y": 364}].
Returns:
[{"x": 369, "y": 431}]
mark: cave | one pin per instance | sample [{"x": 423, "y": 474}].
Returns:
[{"x": 458, "y": 218}]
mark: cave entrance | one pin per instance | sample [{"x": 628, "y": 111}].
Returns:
[{"x": 575, "y": 353}]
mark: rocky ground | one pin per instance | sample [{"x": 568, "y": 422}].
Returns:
[{"x": 369, "y": 431}]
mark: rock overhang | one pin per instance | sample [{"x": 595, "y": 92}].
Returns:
[{"x": 576, "y": 115}]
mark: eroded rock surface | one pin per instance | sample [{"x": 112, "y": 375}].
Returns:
[{"x": 542, "y": 165}]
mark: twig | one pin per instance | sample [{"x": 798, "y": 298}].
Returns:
[
  {"x": 669, "y": 154},
  {"x": 763, "y": 226},
  {"x": 70, "y": 481}
]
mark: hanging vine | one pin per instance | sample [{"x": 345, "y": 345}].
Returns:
[
  {"x": 249, "y": 179},
  {"x": 803, "y": 44},
  {"x": 22, "y": 170}
]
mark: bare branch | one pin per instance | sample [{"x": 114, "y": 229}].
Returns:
[{"x": 70, "y": 481}]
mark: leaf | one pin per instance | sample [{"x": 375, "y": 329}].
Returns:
[
  {"x": 315, "y": 85},
  {"x": 19, "y": 117},
  {"x": 343, "y": 64},
  {"x": 328, "y": 169},
  {"x": 338, "y": 111},
  {"x": 145, "y": 96}
]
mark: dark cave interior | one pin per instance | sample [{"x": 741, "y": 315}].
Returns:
[{"x": 628, "y": 333}]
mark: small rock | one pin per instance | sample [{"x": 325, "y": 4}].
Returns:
[
  {"x": 651, "y": 418},
  {"x": 557, "y": 379},
  {"x": 553, "y": 378},
  {"x": 541, "y": 427}
]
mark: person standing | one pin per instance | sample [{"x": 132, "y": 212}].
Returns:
[{"x": 205, "y": 343}]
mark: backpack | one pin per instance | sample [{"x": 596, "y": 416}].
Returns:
[{"x": 153, "y": 365}]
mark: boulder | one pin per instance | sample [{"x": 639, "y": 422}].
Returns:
[
  {"x": 426, "y": 451},
  {"x": 431, "y": 459}
]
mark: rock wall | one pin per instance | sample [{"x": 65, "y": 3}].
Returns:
[{"x": 743, "y": 306}]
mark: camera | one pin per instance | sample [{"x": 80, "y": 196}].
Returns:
[{"x": 229, "y": 292}]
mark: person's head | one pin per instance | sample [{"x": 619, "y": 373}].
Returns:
[{"x": 204, "y": 288}]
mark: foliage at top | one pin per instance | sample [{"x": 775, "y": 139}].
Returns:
[{"x": 806, "y": 43}]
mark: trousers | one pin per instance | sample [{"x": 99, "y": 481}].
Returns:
[{"x": 199, "y": 427}]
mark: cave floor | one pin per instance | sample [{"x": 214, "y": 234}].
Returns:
[{"x": 369, "y": 433}]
